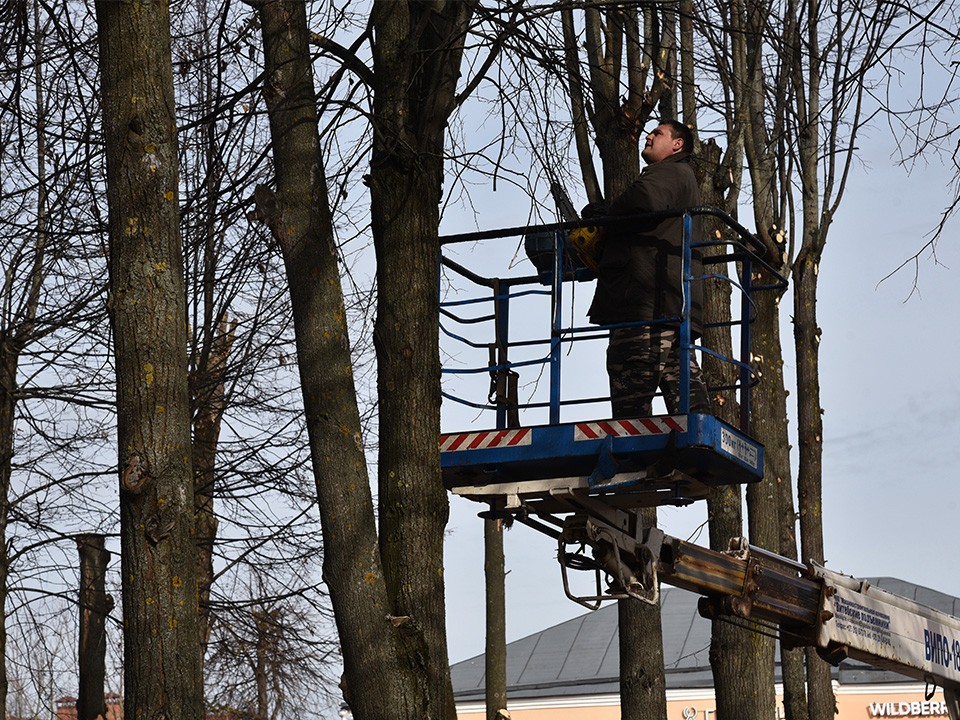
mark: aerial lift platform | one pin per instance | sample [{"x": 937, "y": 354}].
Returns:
[
  {"x": 581, "y": 480},
  {"x": 630, "y": 461}
]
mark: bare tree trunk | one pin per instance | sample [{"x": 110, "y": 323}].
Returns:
[
  {"x": 209, "y": 405},
  {"x": 262, "y": 620},
  {"x": 299, "y": 218},
  {"x": 643, "y": 687},
  {"x": 495, "y": 656},
  {"x": 741, "y": 660},
  {"x": 809, "y": 483},
  {"x": 770, "y": 410},
  {"x": 163, "y": 664},
  {"x": 734, "y": 667},
  {"x": 209, "y": 361},
  {"x": 95, "y": 604},
  {"x": 763, "y": 499},
  {"x": 770, "y": 503},
  {"x": 822, "y": 704},
  {"x": 417, "y": 56},
  {"x": 806, "y": 97},
  {"x": 8, "y": 401},
  {"x": 769, "y": 425}
]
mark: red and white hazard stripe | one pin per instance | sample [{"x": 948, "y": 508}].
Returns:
[
  {"x": 630, "y": 428},
  {"x": 487, "y": 439}
]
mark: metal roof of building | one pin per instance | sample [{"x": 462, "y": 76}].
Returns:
[{"x": 582, "y": 656}]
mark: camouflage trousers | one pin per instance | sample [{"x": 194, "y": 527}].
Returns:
[{"x": 642, "y": 359}]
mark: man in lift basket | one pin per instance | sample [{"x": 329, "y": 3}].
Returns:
[{"x": 639, "y": 279}]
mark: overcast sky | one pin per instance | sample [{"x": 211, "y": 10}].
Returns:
[{"x": 891, "y": 398}]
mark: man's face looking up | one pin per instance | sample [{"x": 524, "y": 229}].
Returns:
[{"x": 660, "y": 144}]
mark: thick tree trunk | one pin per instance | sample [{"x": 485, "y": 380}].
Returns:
[
  {"x": 299, "y": 218},
  {"x": 792, "y": 661},
  {"x": 769, "y": 417},
  {"x": 822, "y": 704},
  {"x": 807, "y": 77},
  {"x": 162, "y": 665},
  {"x": 413, "y": 505},
  {"x": 763, "y": 511},
  {"x": 777, "y": 464},
  {"x": 768, "y": 424},
  {"x": 741, "y": 660},
  {"x": 643, "y": 688},
  {"x": 95, "y": 604},
  {"x": 417, "y": 57}
]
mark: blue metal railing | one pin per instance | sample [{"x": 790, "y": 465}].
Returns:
[{"x": 494, "y": 319}]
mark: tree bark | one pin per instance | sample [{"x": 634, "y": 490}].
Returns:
[
  {"x": 643, "y": 687},
  {"x": 741, "y": 660},
  {"x": 209, "y": 404},
  {"x": 162, "y": 666},
  {"x": 770, "y": 504},
  {"x": 95, "y": 604},
  {"x": 416, "y": 56},
  {"x": 212, "y": 344},
  {"x": 495, "y": 655},
  {"x": 9, "y": 361},
  {"x": 770, "y": 413},
  {"x": 822, "y": 704},
  {"x": 768, "y": 424},
  {"x": 806, "y": 99},
  {"x": 298, "y": 216}
]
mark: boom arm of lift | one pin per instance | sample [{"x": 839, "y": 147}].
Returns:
[{"x": 810, "y": 606}]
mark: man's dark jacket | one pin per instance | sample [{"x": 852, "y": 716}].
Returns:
[{"x": 639, "y": 276}]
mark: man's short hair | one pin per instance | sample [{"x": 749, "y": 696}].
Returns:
[{"x": 681, "y": 131}]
